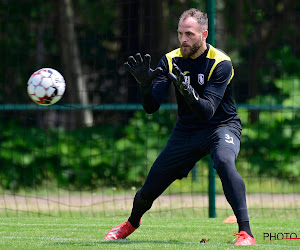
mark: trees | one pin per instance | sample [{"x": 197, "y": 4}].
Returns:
[
  {"x": 90, "y": 46},
  {"x": 257, "y": 30},
  {"x": 71, "y": 61}
]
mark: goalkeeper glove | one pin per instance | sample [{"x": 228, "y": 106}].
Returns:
[
  {"x": 141, "y": 70},
  {"x": 178, "y": 78}
]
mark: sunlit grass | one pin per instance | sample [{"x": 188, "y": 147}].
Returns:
[{"x": 177, "y": 232}]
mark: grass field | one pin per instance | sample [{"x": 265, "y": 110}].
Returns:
[
  {"x": 65, "y": 220},
  {"x": 44, "y": 232}
]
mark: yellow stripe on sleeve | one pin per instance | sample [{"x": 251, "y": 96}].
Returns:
[
  {"x": 172, "y": 54},
  {"x": 218, "y": 56}
]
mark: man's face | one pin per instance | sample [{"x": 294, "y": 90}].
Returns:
[{"x": 191, "y": 37}]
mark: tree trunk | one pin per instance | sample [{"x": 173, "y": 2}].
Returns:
[
  {"x": 76, "y": 89},
  {"x": 144, "y": 31},
  {"x": 130, "y": 41}
]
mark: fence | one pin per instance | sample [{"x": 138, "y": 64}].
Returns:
[
  {"x": 96, "y": 170},
  {"x": 55, "y": 162}
]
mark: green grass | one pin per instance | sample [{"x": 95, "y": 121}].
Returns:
[{"x": 42, "y": 232}]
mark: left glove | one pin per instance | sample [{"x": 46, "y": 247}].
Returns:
[
  {"x": 141, "y": 70},
  {"x": 183, "y": 85}
]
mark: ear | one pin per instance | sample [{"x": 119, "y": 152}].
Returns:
[{"x": 205, "y": 34}]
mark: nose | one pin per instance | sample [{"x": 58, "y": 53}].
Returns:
[{"x": 183, "y": 38}]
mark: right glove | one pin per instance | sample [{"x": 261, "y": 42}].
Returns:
[
  {"x": 141, "y": 70},
  {"x": 178, "y": 78}
]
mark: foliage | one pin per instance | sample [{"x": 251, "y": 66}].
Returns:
[
  {"x": 273, "y": 142},
  {"x": 29, "y": 41},
  {"x": 271, "y": 145},
  {"x": 30, "y": 156},
  {"x": 113, "y": 155},
  {"x": 267, "y": 72},
  {"x": 145, "y": 136},
  {"x": 84, "y": 158}
]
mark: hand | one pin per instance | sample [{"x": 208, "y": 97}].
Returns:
[
  {"x": 183, "y": 85},
  {"x": 141, "y": 70},
  {"x": 179, "y": 79}
]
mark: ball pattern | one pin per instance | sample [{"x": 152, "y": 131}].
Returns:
[{"x": 46, "y": 86}]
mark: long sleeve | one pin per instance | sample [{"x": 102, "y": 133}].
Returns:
[
  {"x": 152, "y": 96},
  {"x": 205, "y": 105}
]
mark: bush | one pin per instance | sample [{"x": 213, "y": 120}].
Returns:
[{"x": 113, "y": 155}]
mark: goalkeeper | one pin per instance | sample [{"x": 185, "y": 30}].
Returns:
[{"x": 208, "y": 122}]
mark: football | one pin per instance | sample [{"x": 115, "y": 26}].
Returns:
[{"x": 46, "y": 86}]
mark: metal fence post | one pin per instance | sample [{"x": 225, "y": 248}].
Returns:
[{"x": 210, "y": 9}]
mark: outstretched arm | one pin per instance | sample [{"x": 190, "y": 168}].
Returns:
[
  {"x": 141, "y": 70},
  {"x": 145, "y": 76}
]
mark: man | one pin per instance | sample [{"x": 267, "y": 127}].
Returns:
[{"x": 207, "y": 123}]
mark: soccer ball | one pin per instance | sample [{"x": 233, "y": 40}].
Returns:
[{"x": 46, "y": 86}]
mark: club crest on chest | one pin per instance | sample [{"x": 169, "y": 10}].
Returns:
[{"x": 201, "y": 79}]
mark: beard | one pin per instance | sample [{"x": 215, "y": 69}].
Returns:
[{"x": 191, "y": 50}]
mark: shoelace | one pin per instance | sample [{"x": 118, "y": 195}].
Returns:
[{"x": 240, "y": 235}]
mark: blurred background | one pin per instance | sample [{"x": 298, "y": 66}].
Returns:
[{"x": 98, "y": 144}]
